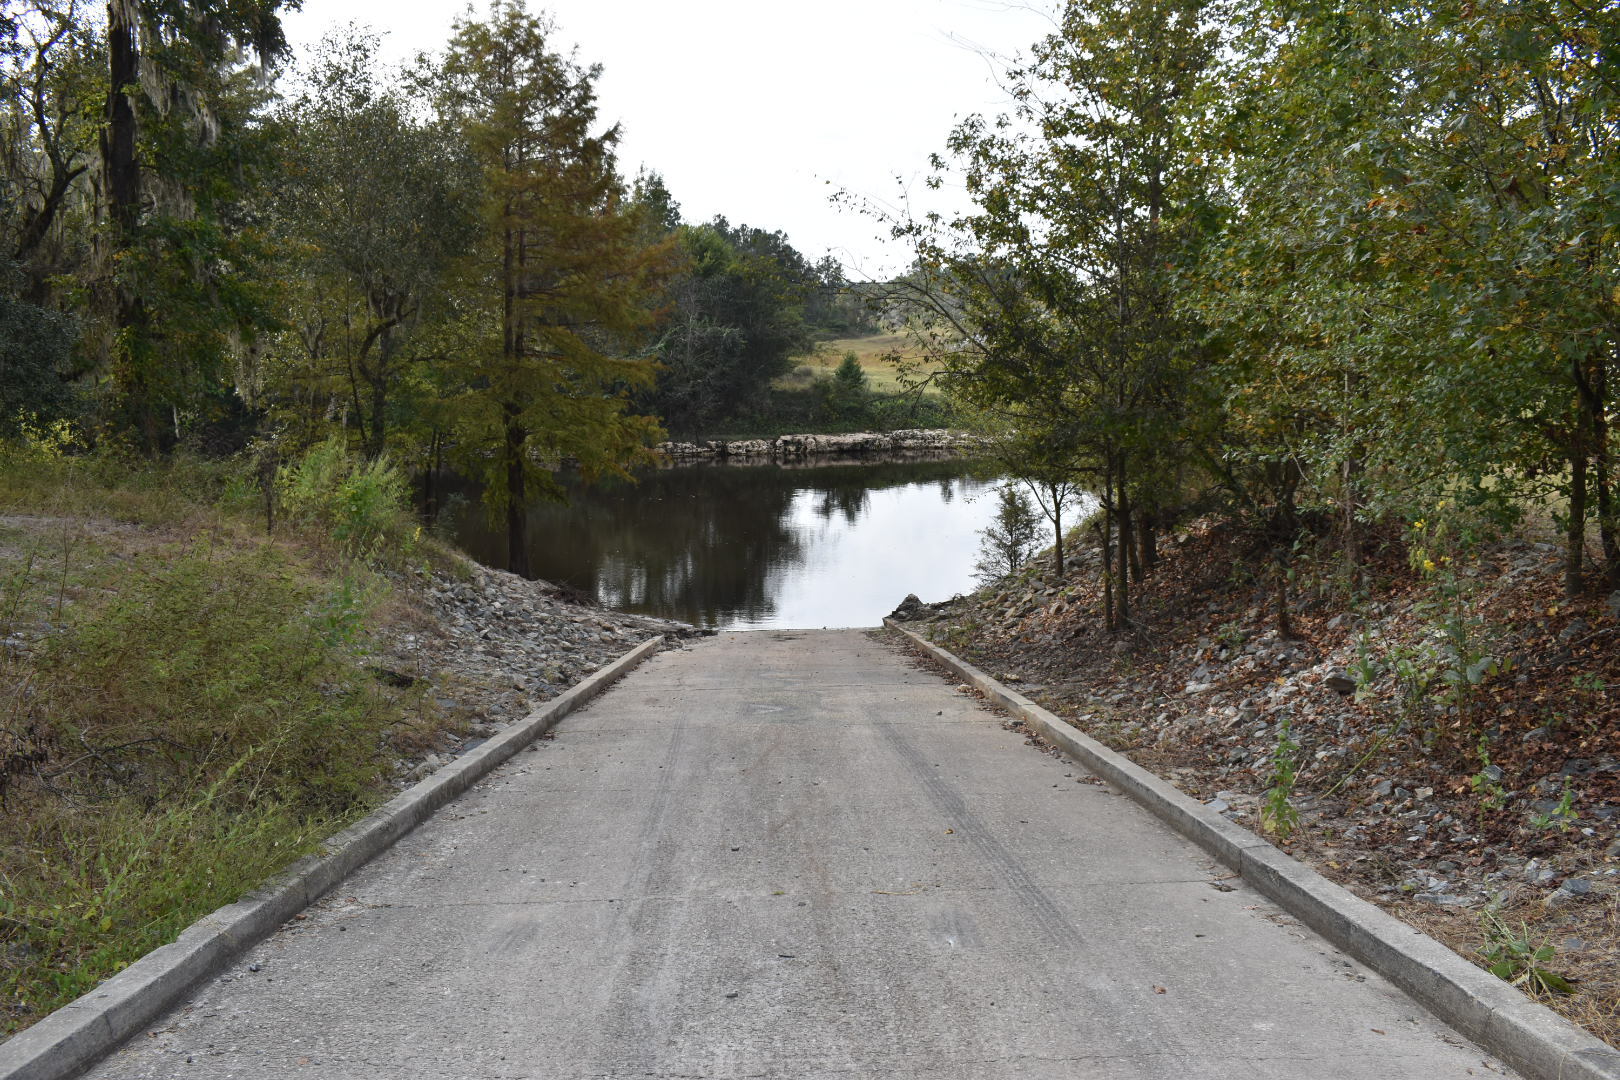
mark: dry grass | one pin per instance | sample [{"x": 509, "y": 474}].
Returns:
[
  {"x": 872, "y": 352},
  {"x": 185, "y": 706}
]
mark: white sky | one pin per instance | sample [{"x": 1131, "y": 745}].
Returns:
[{"x": 762, "y": 109}]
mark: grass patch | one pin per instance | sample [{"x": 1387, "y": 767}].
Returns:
[
  {"x": 185, "y": 707},
  {"x": 873, "y": 353}
]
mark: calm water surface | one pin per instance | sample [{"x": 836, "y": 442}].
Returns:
[{"x": 753, "y": 547}]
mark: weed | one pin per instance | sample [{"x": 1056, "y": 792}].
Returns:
[
  {"x": 1511, "y": 955},
  {"x": 362, "y": 505},
  {"x": 1277, "y": 814},
  {"x": 1231, "y": 634},
  {"x": 1589, "y": 682},
  {"x": 1561, "y": 817},
  {"x": 1487, "y": 782}
]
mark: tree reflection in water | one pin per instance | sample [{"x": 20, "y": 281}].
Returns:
[{"x": 722, "y": 545}]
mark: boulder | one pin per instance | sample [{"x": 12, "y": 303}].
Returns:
[{"x": 910, "y": 609}]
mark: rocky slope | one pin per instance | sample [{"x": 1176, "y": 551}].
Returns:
[{"x": 493, "y": 646}]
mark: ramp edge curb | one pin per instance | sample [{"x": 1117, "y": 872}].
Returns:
[
  {"x": 1529, "y": 1036},
  {"x": 80, "y": 1033}
]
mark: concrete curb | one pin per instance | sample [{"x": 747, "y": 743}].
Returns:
[
  {"x": 74, "y": 1037},
  {"x": 1531, "y": 1037}
]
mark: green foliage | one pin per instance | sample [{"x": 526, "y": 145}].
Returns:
[
  {"x": 736, "y": 320},
  {"x": 1561, "y": 817},
  {"x": 192, "y": 731},
  {"x": 846, "y": 396},
  {"x": 1277, "y": 814},
  {"x": 1012, "y": 536},
  {"x": 1512, "y": 955},
  {"x": 1487, "y": 782},
  {"x": 362, "y": 505},
  {"x": 375, "y": 210},
  {"x": 36, "y": 348},
  {"x": 559, "y": 288}
]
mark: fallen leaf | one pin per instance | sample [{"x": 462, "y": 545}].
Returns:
[{"x": 1158, "y": 990}]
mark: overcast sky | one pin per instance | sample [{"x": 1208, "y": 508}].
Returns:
[{"x": 761, "y": 109}]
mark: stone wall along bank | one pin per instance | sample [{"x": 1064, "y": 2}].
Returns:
[{"x": 795, "y": 447}]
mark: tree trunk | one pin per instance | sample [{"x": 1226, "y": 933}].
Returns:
[
  {"x": 379, "y": 402},
  {"x": 121, "y": 175},
  {"x": 1106, "y": 538},
  {"x": 1349, "y": 506},
  {"x": 1575, "y": 533},
  {"x": 1123, "y": 516},
  {"x": 1603, "y": 477},
  {"x": 1057, "y": 526},
  {"x": 430, "y": 480},
  {"x": 1285, "y": 621},
  {"x": 517, "y": 533}
]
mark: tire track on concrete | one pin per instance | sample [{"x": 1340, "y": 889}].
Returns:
[
  {"x": 630, "y": 1015},
  {"x": 1053, "y": 922}
]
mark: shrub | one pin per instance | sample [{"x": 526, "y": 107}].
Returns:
[
  {"x": 362, "y": 505},
  {"x": 1011, "y": 537}
]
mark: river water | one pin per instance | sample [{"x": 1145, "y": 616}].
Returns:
[{"x": 754, "y": 547}]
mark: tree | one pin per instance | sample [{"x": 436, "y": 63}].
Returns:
[
  {"x": 47, "y": 137},
  {"x": 1421, "y": 205},
  {"x": 1052, "y": 304},
  {"x": 179, "y": 151},
  {"x": 560, "y": 279},
  {"x": 1012, "y": 536},
  {"x": 376, "y": 209},
  {"x": 736, "y": 318},
  {"x": 35, "y": 347},
  {"x": 848, "y": 390}
]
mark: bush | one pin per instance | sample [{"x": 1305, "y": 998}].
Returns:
[{"x": 362, "y": 505}]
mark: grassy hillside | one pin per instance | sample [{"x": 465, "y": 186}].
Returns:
[{"x": 185, "y": 701}]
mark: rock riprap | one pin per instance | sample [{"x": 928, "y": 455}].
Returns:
[
  {"x": 917, "y": 441},
  {"x": 493, "y": 645}
]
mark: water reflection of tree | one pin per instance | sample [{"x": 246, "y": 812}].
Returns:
[{"x": 707, "y": 544}]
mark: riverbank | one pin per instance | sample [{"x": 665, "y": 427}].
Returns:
[
  {"x": 913, "y": 442},
  {"x": 187, "y": 704},
  {"x": 1484, "y": 812}
]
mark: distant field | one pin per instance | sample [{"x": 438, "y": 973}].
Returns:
[{"x": 870, "y": 351}]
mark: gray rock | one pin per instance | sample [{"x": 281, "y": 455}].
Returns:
[
  {"x": 910, "y": 608},
  {"x": 1575, "y": 886},
  {"x": 1575, "y": 629},
  {"x": 1340, "y": 683}
]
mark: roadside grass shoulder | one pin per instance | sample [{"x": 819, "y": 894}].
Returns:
[{"x": 185, "y": 707}]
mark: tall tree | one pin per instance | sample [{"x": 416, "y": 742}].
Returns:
[
  {"x": 177, "y": 150},
  {"x": 1425, "y": 207},
  {"x": 1057, "y": 292},
  {"x": 560, "y": 282},
  {"x": 376, "y": 208},
  {"x": 736, "y": 317},
  {"x": 47, "y": 136}
]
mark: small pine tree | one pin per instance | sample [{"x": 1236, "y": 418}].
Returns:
[{"x": 1011, "y": 537}]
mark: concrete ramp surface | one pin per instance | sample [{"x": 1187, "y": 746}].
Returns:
[{"x": 795, "y": 854}]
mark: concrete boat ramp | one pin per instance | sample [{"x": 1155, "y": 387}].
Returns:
[{"x": 795, "y": 855}]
